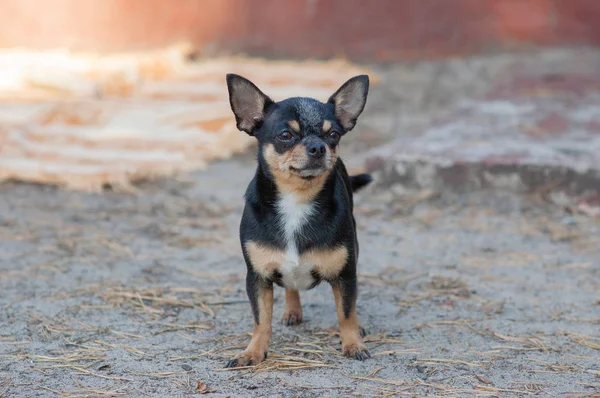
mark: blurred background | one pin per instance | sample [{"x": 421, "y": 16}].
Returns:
[
  {"x": 98, "y": 93},
  {"x": 358, "y": 29}
]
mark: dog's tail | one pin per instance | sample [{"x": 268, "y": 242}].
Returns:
[{"x": 360, "y": 181}]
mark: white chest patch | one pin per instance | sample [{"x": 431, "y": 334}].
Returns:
[{"x": 294, "y": 216}]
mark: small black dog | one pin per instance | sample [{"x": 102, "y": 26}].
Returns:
[{"x": 298, "y": 226}]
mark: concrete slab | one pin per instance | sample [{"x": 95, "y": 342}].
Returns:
[{"x": 534, "y": 133}]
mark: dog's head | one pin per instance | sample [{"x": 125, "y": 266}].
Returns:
[{"x": 298, "y": 137}]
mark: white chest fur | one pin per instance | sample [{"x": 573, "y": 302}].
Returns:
[{"x": 293, "y": 217}]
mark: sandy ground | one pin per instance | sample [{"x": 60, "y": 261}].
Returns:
[{"x": 483, "y": 294}]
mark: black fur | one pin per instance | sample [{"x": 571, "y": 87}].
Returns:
[
  {"x": 359, "y": 181},
  {"x": 332, "y": 223}
]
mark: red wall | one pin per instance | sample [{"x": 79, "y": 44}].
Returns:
[{"x": 358, "y": 29}]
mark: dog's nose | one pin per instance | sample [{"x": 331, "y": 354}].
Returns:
[{"x": 316, "y": 150}]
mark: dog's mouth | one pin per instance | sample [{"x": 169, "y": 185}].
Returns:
[{"x": 310, "y": 172}]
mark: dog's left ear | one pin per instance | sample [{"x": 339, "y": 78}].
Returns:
[
  {"x": 350, "y": 100},
  {"x": 248, "y": 103}
]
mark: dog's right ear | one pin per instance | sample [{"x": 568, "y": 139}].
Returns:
[{"x": 247, "y": 102}]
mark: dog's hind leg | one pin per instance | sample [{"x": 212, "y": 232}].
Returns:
[{"x": 293, "y": 309}]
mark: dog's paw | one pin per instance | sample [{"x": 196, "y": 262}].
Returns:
[
  {"x": 292, "y": 318},
  {"x": 247, "y": 358},
  {"x": 357, "y": 351}
]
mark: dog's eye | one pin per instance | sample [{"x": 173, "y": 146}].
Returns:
[
  {"x": 285, "y": 136},
  {"x": 334, "y": 135}
]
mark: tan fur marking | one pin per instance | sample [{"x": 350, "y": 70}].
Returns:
[
  {"x": 327, "y": 262},
  {"x": 349, "y": 327},
  {"x": 333, "y": 153},
  {"x": 297, "y": 157},
  {"x": 289, "y": 182},
  {"x": 326, "y": 126},
  {"x": 294, "y": 125},
  {"x": 293, "y": 307},
  {"x": 259, "y": 344},
  {"x": 264, "y": 259}
]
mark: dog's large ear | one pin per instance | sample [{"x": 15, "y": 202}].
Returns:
[
  {"x": 350, "y": 100},
  {"x": 247, "y": 102}
]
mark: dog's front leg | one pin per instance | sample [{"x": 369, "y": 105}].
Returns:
[
  {"x": 260, "y": 293},
  {"x": 345, "y": 292}
]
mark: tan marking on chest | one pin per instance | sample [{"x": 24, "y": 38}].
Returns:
[
  {"x": 327, "y": 262},
  {"x": 264, "y": 259}
]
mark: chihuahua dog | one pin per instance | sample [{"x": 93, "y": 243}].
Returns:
[{"x": 298, "y": 227}]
